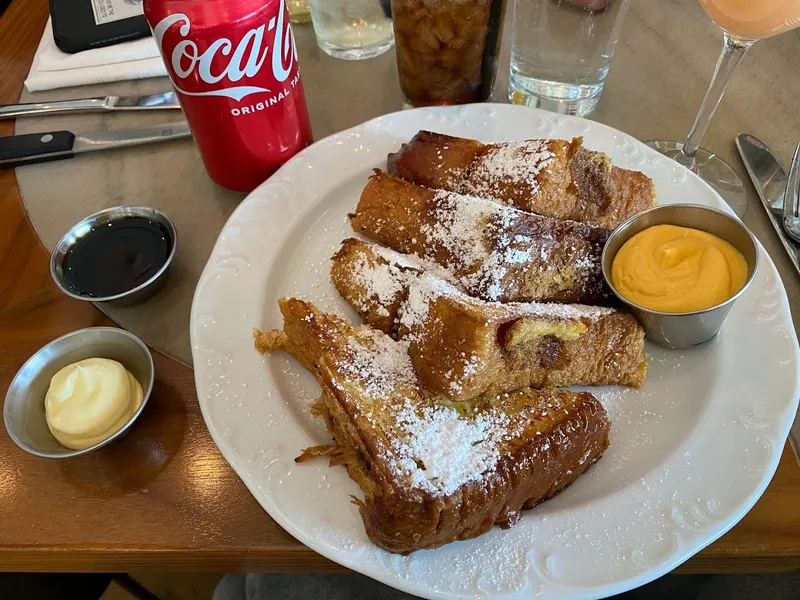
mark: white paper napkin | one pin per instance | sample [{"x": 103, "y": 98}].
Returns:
[{"x": 53, "y": 68}]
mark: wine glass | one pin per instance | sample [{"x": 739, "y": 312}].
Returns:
[{"x": 743, "y": 22}]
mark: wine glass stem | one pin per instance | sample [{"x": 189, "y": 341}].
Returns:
[{"x": 732, "y": 54}]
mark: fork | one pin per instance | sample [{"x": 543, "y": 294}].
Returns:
[{"x": 791, "y": 199}]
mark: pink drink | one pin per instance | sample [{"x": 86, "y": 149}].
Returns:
[{"x": 753, "y": 19}]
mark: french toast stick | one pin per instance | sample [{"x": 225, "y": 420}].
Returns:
[
  {"x": 550, "y": 177},
  {"x": 465, "y": 348},
  {"x": 495, "y": 252},
  {"x": 432, "y": 472}
]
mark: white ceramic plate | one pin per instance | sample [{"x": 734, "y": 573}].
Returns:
[{"x": 690, "y": 453}]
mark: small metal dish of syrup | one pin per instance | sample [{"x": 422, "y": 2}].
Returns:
[{"x": 117, "y": 256}]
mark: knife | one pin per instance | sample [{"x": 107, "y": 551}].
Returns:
[
  {"x": 18, "y": 150},
  {"x": 98, "y": 104},
  {"x": 770, "y": 180}
]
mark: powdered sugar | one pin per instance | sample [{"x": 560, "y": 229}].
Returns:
[
  {"x": 386, "y": 276},
  {"x": 423, "y": 289},
  {"x": 470, "y": 367},
  {"x": 516, "y": 256},
  {"x": 441, "y": 451},
  {"x": 557, "y": 311},
  {"x": 495, "y": 250},
  {"x": 379, "y": 364},
  {"x": 382, "y": 281},
  {"x": 460, "y": 222},
  {"x": 509, "y": 164},
  {"x": 461, "y": 226},
  {"x": 401, "y": 264}
]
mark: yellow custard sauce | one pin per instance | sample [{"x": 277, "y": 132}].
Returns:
[
  {"x": 675, "y": 269},
  {"x": 90, "y": 400}
]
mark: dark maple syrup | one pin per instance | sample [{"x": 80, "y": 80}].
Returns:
[{"x": 117, "y": 257}]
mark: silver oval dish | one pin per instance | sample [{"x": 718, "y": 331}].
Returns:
[
  {"x": 81, "y": 228},
  {"x": 24, "y": 412},
  {"x": 683, "y": 330}
]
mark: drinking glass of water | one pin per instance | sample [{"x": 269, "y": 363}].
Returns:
[
  {"x": 352, "y": 29},
  {"x": 561, "y": 51}
]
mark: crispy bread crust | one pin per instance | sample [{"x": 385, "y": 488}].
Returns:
[
  {"x": 511, "y": 255},
  {"x": 560, "y": 434},
  {"x": 466, "y": 348},
  {"x": 578, "y": 184}
]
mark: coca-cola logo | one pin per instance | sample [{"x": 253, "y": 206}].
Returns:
[{"x": 246, "y": 59}]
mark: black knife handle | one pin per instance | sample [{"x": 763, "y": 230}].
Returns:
[{"x": 18, "y": 150}]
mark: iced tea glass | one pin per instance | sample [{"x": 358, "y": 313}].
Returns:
[{"x": 447, "y": 49}]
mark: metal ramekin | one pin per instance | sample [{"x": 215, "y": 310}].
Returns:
[
  {"x": 81, "y": 228},
  {"x": 683, "y": 330},
  {"x": 24, "y": 411}
]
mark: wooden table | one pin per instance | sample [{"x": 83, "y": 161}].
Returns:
[{"x": 164, "y": 498}]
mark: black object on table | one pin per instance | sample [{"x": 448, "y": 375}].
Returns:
[{"x": 75, "y": 28}]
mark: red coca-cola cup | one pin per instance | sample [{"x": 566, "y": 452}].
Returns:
[{"x": 233, "y": 64}]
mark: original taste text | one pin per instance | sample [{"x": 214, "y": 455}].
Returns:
[{"x": 258, "y": 106}]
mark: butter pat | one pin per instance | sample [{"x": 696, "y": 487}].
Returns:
[{"x": 90, "y": 400}]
